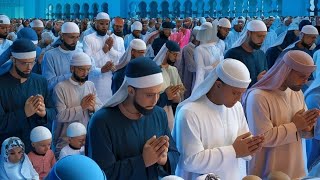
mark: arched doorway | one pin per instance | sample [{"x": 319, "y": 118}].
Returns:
[
  {"x": 58, "y": 14},
  {"x": 142, "y": 9},
  {"x": 76, "y": 11},
  {"x": 153, "y": 9},
  {"x": 176, "y": 8},
  {"x": 165, "y": 9},
  {"x": 95, "y": 9},
  {"x": 85, "y": 10},
  {"x": 66, "y": 11},
  {"x": 105, "y": 7}
]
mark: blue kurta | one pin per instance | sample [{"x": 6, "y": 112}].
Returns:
[
  {"x": 117, "y": 79},
  {"x": 13, "y": 95},
  {"x": 116, "y": 144},
  {"x": 255, "y": 61}
]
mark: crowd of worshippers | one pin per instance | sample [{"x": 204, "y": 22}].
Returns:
[{"x": 193, "y": 98}]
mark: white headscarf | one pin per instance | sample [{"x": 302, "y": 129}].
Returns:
[
  {"x": 207, "y": 33},
  {"x": 231, "y": 71},
  {"x": 253, "y": 26},
  {"x": 136, "y": 44},
  {"x": 20, "y": 170}
]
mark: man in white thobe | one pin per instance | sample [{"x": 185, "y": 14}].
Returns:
[
  {"x": 4, "y": 30},
  {"x": 101, "y": 47},
  {"x": 211, "y": 130}
]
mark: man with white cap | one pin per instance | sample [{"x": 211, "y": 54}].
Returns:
[
  {"x": 206, "y": 55},
  {"x": 76, "y": 134},
  {"x": 234, "y": 34},
  {"x": 214, "y": 108},
  {"x": 224, "y": 27},
  {"x": 137, "y": 48},
  {"x": 24, "y": 97},
  {"x": 187, "y": 64},
  {"x": 129, "y": 137},
  {"x": 4, "y": 30},
  {"x": 307, "y": 38},
  {"x": 136, "y": 29},
  {"x": 247, "y": 50},
  {"x": 37, "y": 26},
  {"x": 101, "y": 47},
  {"x": 75, "y": 99},
  {"x": 56, "y": 62},
  {"x": 275, "y": 107}
]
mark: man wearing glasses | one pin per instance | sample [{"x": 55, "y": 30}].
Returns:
[
  {"x": 24, "y": 98},
  {"x": 75, "y": 100}
]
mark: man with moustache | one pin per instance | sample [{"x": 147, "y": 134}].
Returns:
[
  {"x": 4, "y": 30},
  {"x": 117, "y": 26},
  {"x": 103, "y": 49},
  {"x": 247, "y": 50},
  {"x": 75, "y": 100},
  {"x": 224, "y": 27},
  {"x": 25, "y": 101},
  {"x": 136, "y": 29},
  {"x": 56, "y": 62}
]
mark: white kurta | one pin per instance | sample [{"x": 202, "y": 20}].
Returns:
[
  {"x": 67, "y": 97},
  {"x": 68, "y": 151},
  {"x": 221, "y": 46},
  {"x": 92, "y": 45},
  {"x": 206, "y": 56},
  {"x": 232, "y": 37},
  {"x": 269, "y": 40},
  {"x": 204, "y": 133}
]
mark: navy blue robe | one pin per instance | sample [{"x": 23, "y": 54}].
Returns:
[
  {"x": 13, "y": 95},
  {"x": 116, "y": 144}
]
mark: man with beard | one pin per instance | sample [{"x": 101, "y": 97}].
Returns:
[
  {"x": 224, "y": 27},
  {"x": 165, "y": 33},
  {"x": 103, "y": 49},
  {"x": 75, "y": 100},
  {"x": 137, "y": 48},
  {"x": 234, "y": 34},
  {"x": 307, "y": 38},
  {"x": 275, "y": 107},
  {"x": 56, "y": 62},
  {"x": 136, "y": 29},
  {"x": 4, "y": 30},
  {"x": 129, "y": 137},
  {"x": 172, "y": 88},
  {"x": 37, "y": 26},
  {"x": 247, "y": 50},
  {"x": 117, "y": 26},
  {"x": 25, "y": 101}
]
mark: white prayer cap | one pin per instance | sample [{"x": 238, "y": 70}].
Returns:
[
  {"x": 136, "y": 26},
  {"x": 36, "y": 23},
  {"x": 40, "y": 133},
  {"x": 224, "y": 22},
  {"x": 278, "y": 175},
  {"x": 195, "y": 30},
  {"x": 251, "y": 177},
  {"x": 4, "y": 20},
  {"x": 234, "y": 73},
  {"x": 172, "y": 177},
  {"x": 256, "y": 25},
  {"x": 76, "y": 129},
  {"x": 309, "y": 29},
  {"x": 138, "y": 44},
  {"x": 70, "y": 27},
  {"x": 102, "y": 15},
  {"x": 80, "y": 59}
]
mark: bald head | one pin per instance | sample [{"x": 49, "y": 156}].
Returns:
[{"x": 118, "y": 26}]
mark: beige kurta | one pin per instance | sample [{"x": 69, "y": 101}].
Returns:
[
  {"x": 270, "y": 113},
  {"x": 170, "y": 78}
]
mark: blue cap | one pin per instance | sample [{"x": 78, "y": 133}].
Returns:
[
  {"x": 28, "y": 33},
  {"x": 76, "y": 167},
  {"x": 23, "y": 49},
  {"x": 141, "y": 66}
]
